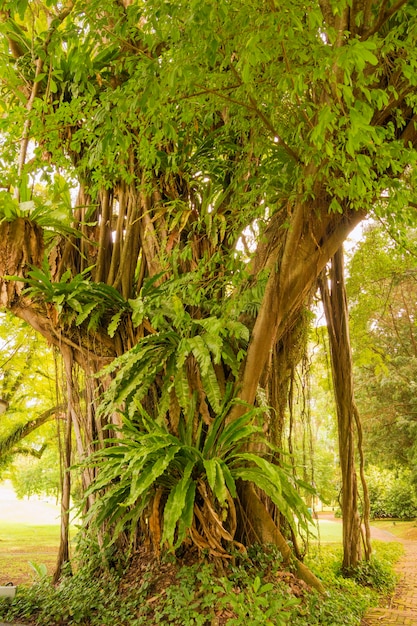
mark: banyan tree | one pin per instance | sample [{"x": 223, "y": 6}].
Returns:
[{"x": 174, "y": 178}]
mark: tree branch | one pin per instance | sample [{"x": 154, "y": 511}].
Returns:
[
  {"x": 384, "y": 16},
  {"x": 8, "y": 442},
  {"x": 40, "y": 62}
]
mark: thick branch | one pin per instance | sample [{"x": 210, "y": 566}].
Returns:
[{"x": 310, "y": 243}]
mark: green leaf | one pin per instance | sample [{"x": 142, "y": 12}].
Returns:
[
  {"x": 114, "y": 323},
  {"x": 230, "y": 483},
  {"x": 86, "y": 310},
  {"x": 143, "y": 480},
  {"x": 236, "y": 432},
  {"x": 211, "y": 387},
  {"x": 210, "y": 467},
  {"x": 176, "y": 503},
  {"x": 182, "y": 389},
  {"x": 138, "y": 311},
  {"x": 186, "y": 519}
]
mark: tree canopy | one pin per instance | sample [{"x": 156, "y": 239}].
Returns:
[{"x": 28, "y": 390}]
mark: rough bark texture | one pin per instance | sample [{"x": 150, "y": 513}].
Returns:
[{"x": 21, "y": 248}]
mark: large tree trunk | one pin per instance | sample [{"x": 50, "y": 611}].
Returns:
[
  {"x": 171, "y": 188},
  {"x": 334, "y": 299},
  {"x": 296, "y": 258}
]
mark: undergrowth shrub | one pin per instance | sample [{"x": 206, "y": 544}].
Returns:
[
  {"x": 253, "y": 590},
  {"x": 391, "y": 493}
]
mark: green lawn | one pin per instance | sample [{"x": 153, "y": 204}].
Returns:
[
  {"x": 328, "y": 532},
  {"x": 331, "y": 532},
  {"x": 21, "y": 543}
]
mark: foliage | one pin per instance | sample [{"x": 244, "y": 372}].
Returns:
[
  {"x": 76, "y": 298},
  {"x": 382, "y": 293},
  {"x": 41, "y": 477},
  {"x": 177, "y": 340},
  {"x": 186, "y": 126},
  {"x": 374, "y": 574},
  {"x": 194, "y": 474},
  {"x": 255, "y": 585},
  {"x": 27, "y": 385},
  {"x": 391, "y": 493},
  {"x": 51, "y": 211}
]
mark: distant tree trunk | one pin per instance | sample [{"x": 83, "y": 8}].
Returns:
[{"x": 333, "y": 292}]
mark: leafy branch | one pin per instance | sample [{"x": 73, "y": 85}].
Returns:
[
  {"x": 76, "y": 298},
  {"x": 9, "y": 442}
]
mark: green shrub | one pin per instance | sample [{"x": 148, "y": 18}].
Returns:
[
  {"x": 391, "y": 493},
  {"x": 373, "y": 573},
  {"x": 254, "y": 590}
]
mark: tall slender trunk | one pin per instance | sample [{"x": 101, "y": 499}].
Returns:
[
  {"x": 334, "y": 298},
  {"x": 64, "y": 552}
]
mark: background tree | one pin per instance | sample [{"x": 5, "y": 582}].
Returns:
[
  {"x": 383, "y": 334},
  {"x": 185, "y": 127},
  {"x": 27, "y": 386},
  {"x": 35, "y": 440}
]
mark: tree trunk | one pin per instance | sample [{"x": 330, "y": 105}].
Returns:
[
  {"x": 266, "y": 531},
  {"x": 296, "y": 260},
  {"x": 334, "y": 299},
  {"x": 63, "y": 552}
]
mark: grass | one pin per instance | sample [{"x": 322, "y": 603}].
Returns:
[
  {"x": 401, "y": 529},
  {"x": 21, "y": 544},
  {"x": 328, "y": 532}
]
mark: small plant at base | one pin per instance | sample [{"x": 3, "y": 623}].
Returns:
[
  {"x": 40, "y": 570},
  {"x": 259, "y": 604},
  {"x": 374, "y": 574}
]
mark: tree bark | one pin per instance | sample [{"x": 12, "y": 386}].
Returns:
[
  {"x": 63, "y": 551},
  {"x": 296, "y": 261},
  {"x": 334, "y": 299},
  {"x": 266, "y": 531}
]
